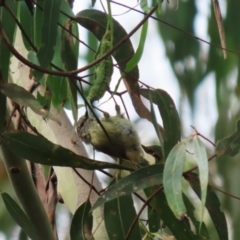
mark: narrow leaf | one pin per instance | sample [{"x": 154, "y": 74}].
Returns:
[
  {"x": 138, "y": 180},
  {"x": 133, "y": 62},
  {"x": 155, "y": 124},
  {"x": 172, "y": 179},
  {"x": 26, "y": 20},
  {"x": 213, "y": 206},
  {"x": 218, "y": 15},
  {"x": 39, "y": 150},
  {"x": 9, "y": 29},
  {"x": 81, "y": 226},
  {"x": 202, "y": 162},
  {"x": 19, "y": 216},
  {"x": 21, "y": 96},
  {"x": 118, "y": 216},
  {"x": 159, "y": 206},
  {"x": 169, "y": 114},
  {"x": 144, "y": 5},
  {"x": 48, "y": 31},
  {"x": 201, "y": 228},
  {"x": 96, "y": 22},
  {"x": 230, "y": 145}
]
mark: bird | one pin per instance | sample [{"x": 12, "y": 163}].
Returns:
[{"x": 115, "y": 136}]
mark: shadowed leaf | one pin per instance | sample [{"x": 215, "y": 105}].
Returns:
[
  {"x": 40, "y": 150},
  {"x": 138, "y": 180},
  {"x": 118, "y": 216},
  {"x": 180, "y": 229},
  {"x": 81, "y": 226},
  {"x": 19, "y": 216},
  {"x": 21, "y": 96},
  {"x": 230, "y": 145},
  {"x": 213, "y": 206},
  {"x": 169, "y": 114}
]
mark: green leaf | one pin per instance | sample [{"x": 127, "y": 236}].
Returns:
[
  {"x": 213, "y": 206},
  {"x": 155, "y": 123},
  {"x": 118, "y": 216},
  {"x": 138, "y": 180},
  {"x": 19, "y": 216},
  {"x": 48, "y": 32},
  {"x": 69, "y": 54},
  {"x": 172, "y": 179},
  {"x": 159, "y": 206},
  {"x": 200, "y": 227},
  {"x": 58, "y": 89},
  {"x": 81, "y": 226},
  {"x": 169, "y": 114},
  {"x": 9, "y": 29},
  {"x": 23, "y": 97},
  {"x": 39, "y": 150},
  {"x": 230, "y": 145},
  {"x": 96, "y": 22},
  {"x": 202, "y": 162},
  {"x": 26, "y": 20},
  {"x": 2, "y": 111},
  {"x": 72, "y": 96},
  {"x": 144, "y": 5},
  {"x": 133, "y": 62}
]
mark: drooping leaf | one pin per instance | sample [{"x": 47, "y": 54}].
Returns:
[
  {"x": 169, "y": 114},
  {"x": 201, "y": 229},
  {"x": 9, "y": 29},
  {"x": 138, "y": 180},
  {"x": 96, "y": 22},
  {"x": 172, "y": 179},
  {"x": 144, "y": 5},
  {"x": 230, "y": 145},
  {"x": 133, "y": 62},
  {"x": 155, "y": 124},
  {"x": 81, "y": 226},
  {"x": 39, "y": 150},
  {"x": 159, "y": 207},
  {"x": 26, "y": 20},
  {"x": 19, "y": 216},
  {"x": 118, "y": 216},
  {"x": 58, "y": 88},
  {"x": 221, "y": 31},
  {"x": 48, "y": 32},
  {"x": 21, "y": 96},
  {"x": 200, "y": 155},
  {"x": 69, "y": 57},
  {"x": 213, "y": 206}
]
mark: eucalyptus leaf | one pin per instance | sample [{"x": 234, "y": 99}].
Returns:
[
  {"x": 230, "y": 145},
  {"x": 200, "y": 155},
  {"x": 169, "y": 114},
  {"x": 39, "y": 150},
  {"x": 172, "y": 179},
  {"x": 138, "y": 180},
  {"x": 213, "y": 206},
  {"x": 119, "y": 214},
  {"x": 21, "y": 96},
  {"x": 81, "y": 226},
  {"x": 19, "y": 216}
]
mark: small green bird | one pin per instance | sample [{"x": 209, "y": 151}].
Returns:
[{"x": 119, "y": 139}]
